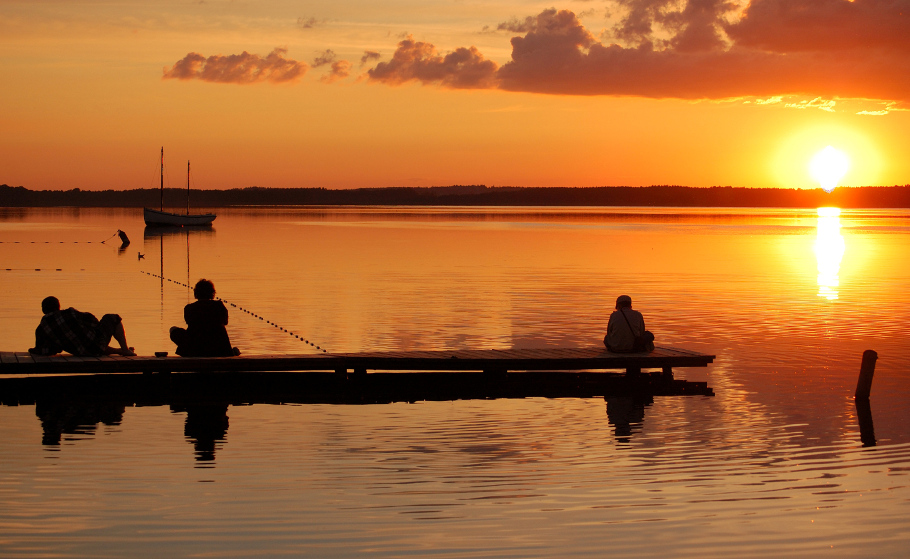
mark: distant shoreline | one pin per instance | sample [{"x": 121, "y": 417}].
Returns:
[{"x": 469, "y": 195}]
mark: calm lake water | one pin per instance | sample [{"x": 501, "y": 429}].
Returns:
[{"x": 774, "y": 465}]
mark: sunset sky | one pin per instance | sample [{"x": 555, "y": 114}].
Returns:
[{"x": 351, "y": 93}]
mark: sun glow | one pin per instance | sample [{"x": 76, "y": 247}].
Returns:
[
  {"x": 829, "y": 252},
  {"x": 828, "y": 167}
]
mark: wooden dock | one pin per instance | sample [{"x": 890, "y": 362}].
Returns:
[{"x": 491, "y": 361}]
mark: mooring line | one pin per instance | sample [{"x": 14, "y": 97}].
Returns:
[
  {"x": 37, "y": 269},
  {"x": 238, "y": 307},
  {"x": 123, "y": 238}
]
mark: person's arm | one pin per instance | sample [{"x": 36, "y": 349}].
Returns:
[{"x": 44, "y": 345}]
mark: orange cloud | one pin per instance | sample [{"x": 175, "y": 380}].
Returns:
[
  {"x": 823, "y": 25},
  {"x": 241, "y": 68},
  {"x": 464, "y": 68},
  {"x": 369, "y": 56},
  {"x": 340, "y": 70},
  {"x": 326, "y": 57},
  {"x": 558, "y": 55}
]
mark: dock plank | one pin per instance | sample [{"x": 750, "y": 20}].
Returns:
[
  {"x": 25, "y": 358},
  {"x": 537, "y": 359}
]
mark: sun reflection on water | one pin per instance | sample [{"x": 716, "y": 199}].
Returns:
[{"x": 829, "y": 251}]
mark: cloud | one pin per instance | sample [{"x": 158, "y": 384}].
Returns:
[
  {"x": 340, "y": 70},
  {"x": 516, "y": 25},
  {"x": 369, "y": 56},
  {"x": 561, "y": 57},
  {"x": 686, "y": 50},
  {"x": 463, "y": 68},
  {"x": 823, "y": 25},
  {"x": 817, "y": 103},
  {"x": 309, "y": 22},
  {"x": 326, "y": 57},
  {"x": 244, "y": 68}
]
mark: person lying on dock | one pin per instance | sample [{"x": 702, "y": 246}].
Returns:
[
  {"x": 205, "y": 334},
  {"x": 78, "y": 333},
  {"x": 626, "y": 329}
]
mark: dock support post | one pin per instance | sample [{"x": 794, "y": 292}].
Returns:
[
  {"x": 633, "y": 370},
  {"x": 864, "y": 416},
  {"x": 668, "y": 373},
  {"x": 866, "y": 370}
]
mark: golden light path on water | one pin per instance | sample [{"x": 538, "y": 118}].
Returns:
[
  {"x": 778, "y": 463},
  {"x": 829, "y": 251}
]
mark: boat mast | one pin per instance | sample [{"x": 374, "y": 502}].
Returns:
[
  {"x": 187, "y": 187},
  {"x": 162, "y": 178}
]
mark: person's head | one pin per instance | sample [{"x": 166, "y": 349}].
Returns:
[
  {"x": 50, "y": 304},
  {"x": 204, "y": 289},
  {"x": 623, "y": 301}
]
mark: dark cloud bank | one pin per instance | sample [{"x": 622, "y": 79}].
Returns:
[
  {"x": 700, "y": 49},
  {"x": 857, "y": 49}
]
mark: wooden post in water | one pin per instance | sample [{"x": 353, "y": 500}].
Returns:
[{"x": 866, "y": 370}]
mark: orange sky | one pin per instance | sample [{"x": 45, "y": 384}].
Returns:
[{"x": 354, "y": 94}]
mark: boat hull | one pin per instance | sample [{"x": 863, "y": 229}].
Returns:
[{"x": 159, "y": 218}]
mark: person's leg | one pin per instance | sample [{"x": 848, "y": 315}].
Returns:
[
  {"x": 178, "y": 336},
  {"x": 114, "y": 324},
  {"x": 120, "y": 336}
]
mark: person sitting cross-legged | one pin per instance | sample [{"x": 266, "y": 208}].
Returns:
[
  {"x": 626, "y": 329},
  {"x": 205, "y": 334},
  {"x": 78, "y": 333}
]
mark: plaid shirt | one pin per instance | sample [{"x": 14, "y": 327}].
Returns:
[{"x": 78, "y": 333}]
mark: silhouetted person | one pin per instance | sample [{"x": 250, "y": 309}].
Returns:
[
  {"x": 73, "y": 417},
  {"x": 626, "y": 414},
  {"x": 78, "y": 333},
  {"x": 624, "y": 327},
  {"x": 205, "y": 334},
  {"x": 206, "y": 424}
]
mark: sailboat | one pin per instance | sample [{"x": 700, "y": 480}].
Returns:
[{"x": 161, "y": 217}]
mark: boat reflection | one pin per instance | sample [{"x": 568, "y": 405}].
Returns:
[
  {"x": 175, "y": 230},
  {"x": 829, "y": 251}
]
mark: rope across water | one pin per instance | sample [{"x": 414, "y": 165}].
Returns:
[
  {"x": 125, "y": 242},
  {"x": 238, "y": 307}
]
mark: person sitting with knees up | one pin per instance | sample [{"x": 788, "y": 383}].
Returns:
[
  {"x": 78, "y": 333},
  {"x": 205, "y": 334},
  {"x": 626, "y": 329}
]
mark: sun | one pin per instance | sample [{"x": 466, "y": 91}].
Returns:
[{"x": 828, "y": 167}]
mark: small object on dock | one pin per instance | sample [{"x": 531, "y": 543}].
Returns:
[
  {"x": 866, "y": 370},
  {"x": 160, "y": 354}
]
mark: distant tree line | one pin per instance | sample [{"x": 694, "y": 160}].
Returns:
[{"x": 469, "y": 195}]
